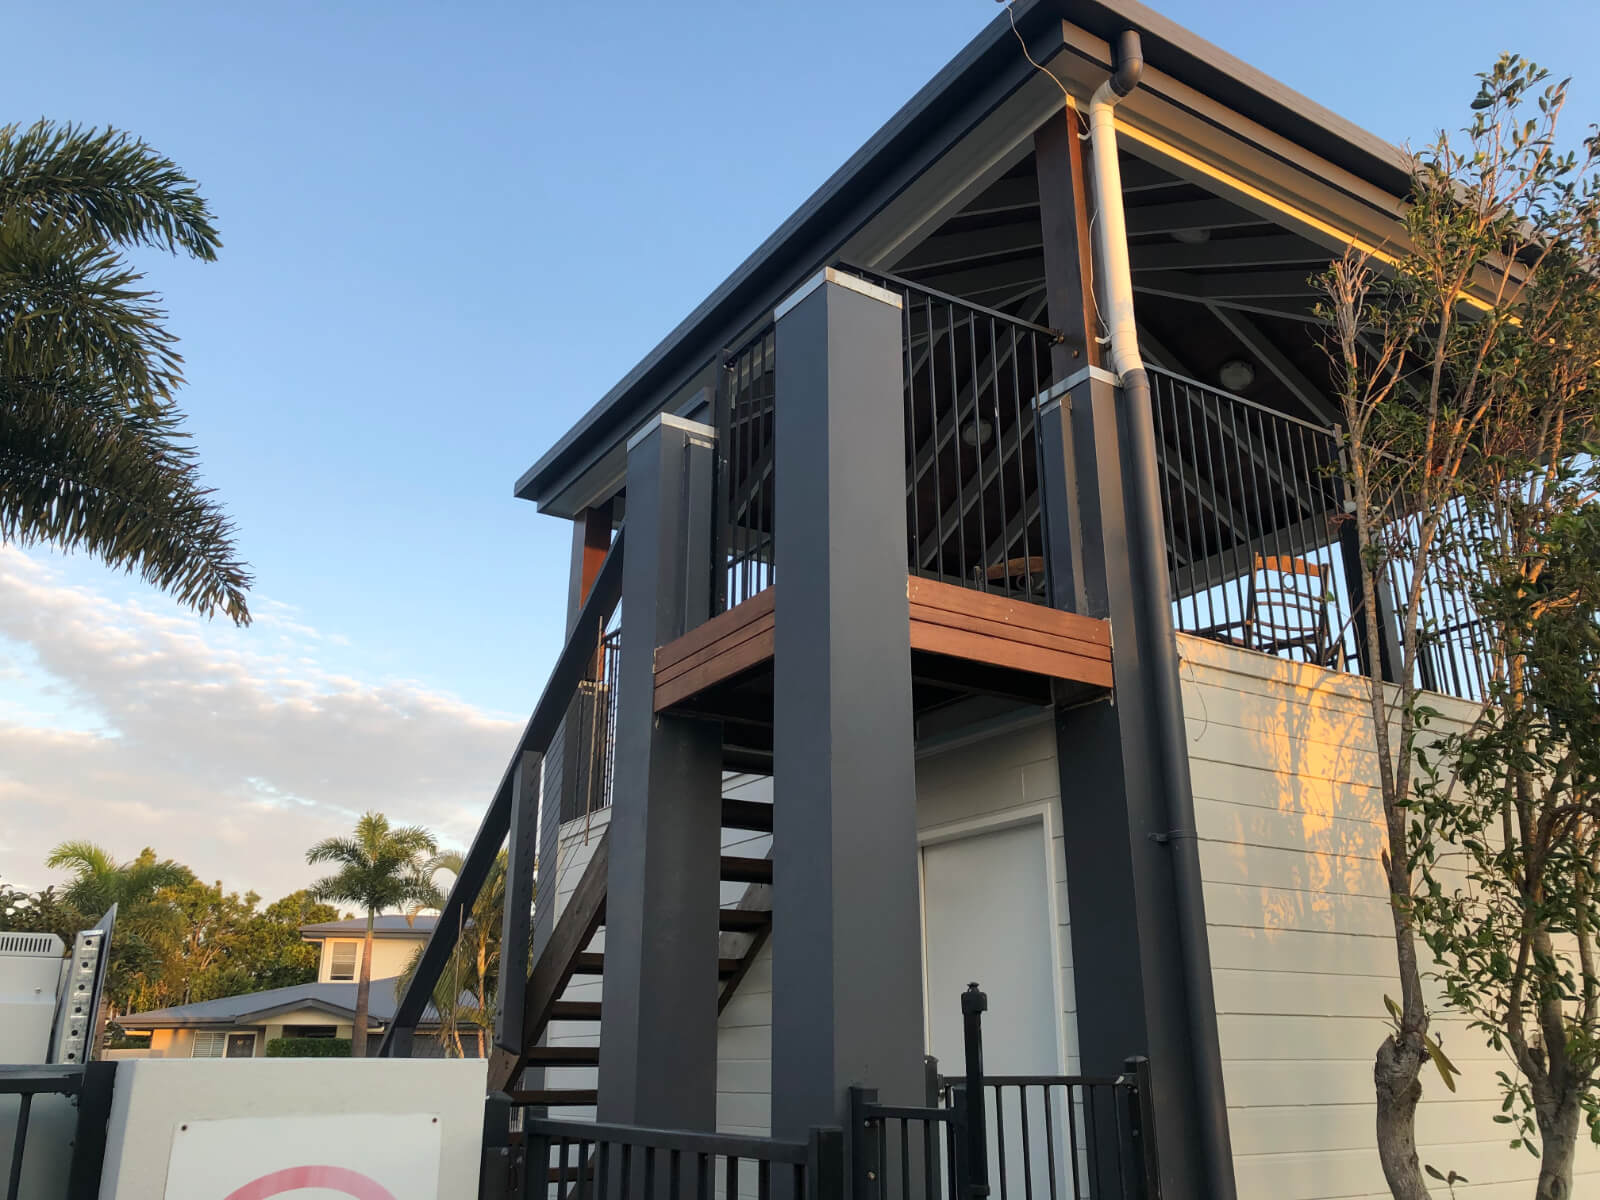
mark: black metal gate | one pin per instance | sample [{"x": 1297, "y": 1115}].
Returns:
[{"x": 1028, "y": 1137}]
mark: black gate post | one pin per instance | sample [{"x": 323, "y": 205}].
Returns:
[
  {"x": 494, "y": 1176},
  {"x": 976, "y": 1151},
  {"x": 89, "y": 1142},
  {"x": 1142, "y": 1129}
]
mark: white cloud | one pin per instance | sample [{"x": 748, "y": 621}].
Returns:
[{"x": 229, "y": 750}]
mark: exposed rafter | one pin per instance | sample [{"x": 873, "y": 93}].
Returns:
[
  {"x": 1275, "y": 250},
  {"x": 1262, "y": 347},
  {"x": 1231, "y": 285},
  {"x": 1186, "y": 215}
]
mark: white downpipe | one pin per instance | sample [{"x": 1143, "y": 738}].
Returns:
[{"x": 1117, "y": 280}]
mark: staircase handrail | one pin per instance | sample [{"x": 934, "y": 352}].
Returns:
[{"x": 540, "y": 731}]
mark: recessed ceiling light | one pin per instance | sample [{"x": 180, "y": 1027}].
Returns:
[
  {"x": 1192, "y": 237},
  {"x": 1236, "y": 375}
]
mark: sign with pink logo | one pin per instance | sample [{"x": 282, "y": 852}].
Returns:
[{"x": 355, "y": 1156}]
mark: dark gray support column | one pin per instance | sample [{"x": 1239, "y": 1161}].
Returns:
[
  {"x": 516, "y": 926},
  {"x": 658, "y": 1031},
  {"x": 847, "y": 958},
  {"x": 1121, "y": 827}
]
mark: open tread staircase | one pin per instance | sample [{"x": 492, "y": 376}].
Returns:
[{"x": 567, "y": 956}]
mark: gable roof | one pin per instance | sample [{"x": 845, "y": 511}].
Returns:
[
  {"x": 255, "y": 1008},
  {"x": 983, "y": 74},
  {"x": 384, "y": 925}
]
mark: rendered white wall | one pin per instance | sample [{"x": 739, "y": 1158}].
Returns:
[
  {"x": 153, "y": 1098},
  {"x": 1290, "y": 823}
]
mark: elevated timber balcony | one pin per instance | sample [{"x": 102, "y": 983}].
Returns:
[{"x": 964, "y": 642}]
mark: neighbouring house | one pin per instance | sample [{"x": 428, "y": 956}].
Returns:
[
  {"x": 241, "y": 1026},
  {"x": 918, "y": 633}
]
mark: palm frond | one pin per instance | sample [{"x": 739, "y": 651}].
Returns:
[
  {"x": 104, "y": 182},
  {"x": 83, "y": 856},
  {"x": 75, "y": 305},
  {"x": 76, "y": 474}
]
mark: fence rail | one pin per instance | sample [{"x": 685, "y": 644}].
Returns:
[{"x": 577, "y": 1160}]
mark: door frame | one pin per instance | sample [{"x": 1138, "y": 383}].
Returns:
[{"x": 1041, "y": 814}]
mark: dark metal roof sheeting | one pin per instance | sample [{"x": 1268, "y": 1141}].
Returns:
[{"x": 982, "y": 75}]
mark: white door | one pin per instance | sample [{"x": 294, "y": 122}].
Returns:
[{"x": 986, "y": 906}]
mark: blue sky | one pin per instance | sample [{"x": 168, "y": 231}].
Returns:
[{"x": 448, "y": 229}]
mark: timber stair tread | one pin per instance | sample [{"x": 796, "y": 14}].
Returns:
[
  {"x": 575, "y": 1010},
  {"x": 743, "y": 920},
  {"x": 746, "y": 870},
  {"x": 556, "y": 1097},
  {"x": 592, "y": 962},
  {"x": 750, "y": 815},
  {"x": 564, "y": 1056}
]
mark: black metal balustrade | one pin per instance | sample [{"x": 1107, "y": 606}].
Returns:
[
  {"x": 1255, "y": 525},
  {"x": 972, "y": 375},
  {"x": 972, "y": 461},
  {"x": 742, "y": 559},
  {"x": 577, "y": 1160},
  {"x": 1452, "y": 654},
  {"x": 592, "y": 726},
  {"x": 1262, "y": 550}
]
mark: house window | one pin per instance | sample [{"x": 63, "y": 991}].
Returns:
[
  {"x": 343, "y": 963},
  {"x": 209, "y": 1045},
  {"x": 241, "y": 1045},
  {"x": 309, "y": 1031}
]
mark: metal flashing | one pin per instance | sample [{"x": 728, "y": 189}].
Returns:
[
  {"x": 1052, "y": 396},
  {"x": 845, "y": 280},
  {"x": 663, "y": 420}
]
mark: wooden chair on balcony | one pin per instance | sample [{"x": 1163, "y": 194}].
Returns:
[{"x": 1286, "y": 613}]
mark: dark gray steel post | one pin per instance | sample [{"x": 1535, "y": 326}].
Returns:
[
  {"x": 973, "y": 1005},
  {"x": 659, "y": 1011},
  {"x": 847, "y": 960},
  {"x": 1121, "y": 826},
  {"x": 516, "y": 924}
]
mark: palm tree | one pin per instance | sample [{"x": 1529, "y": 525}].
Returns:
[
  {"x": 92, "y": 451},
  {"x": 135, "y": 887},
  {"x": 476, "y": 959},
  {"x": 381, "y": 867},
  {"x": 99, "y": 881}
]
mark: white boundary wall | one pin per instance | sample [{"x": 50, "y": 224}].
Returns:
[
  {"x": 1290, "y": 823},
  {"x": 155, "y": 1098}
]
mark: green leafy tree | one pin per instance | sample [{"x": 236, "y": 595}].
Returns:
[
  {"x": 380, "y": 867},
  {"x": 144, "y": 917},
  {"x": 1430, "y": 352},
  {"x": 92, "y": 448},
  {"x": 38, "y": 912},
  {"x": 1511, "y": 902}
]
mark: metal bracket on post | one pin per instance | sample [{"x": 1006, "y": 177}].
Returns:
[
  {"x": 865, "y": 1146},
  {"x": 973, "y": 1005}
]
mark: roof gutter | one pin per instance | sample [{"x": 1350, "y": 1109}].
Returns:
[{"x": 1155, "y": 645}]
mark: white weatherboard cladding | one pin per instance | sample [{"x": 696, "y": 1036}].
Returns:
[{"x": 1290, "y": 822}]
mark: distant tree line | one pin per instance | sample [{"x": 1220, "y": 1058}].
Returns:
[{"x": 178, "y": 939}]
